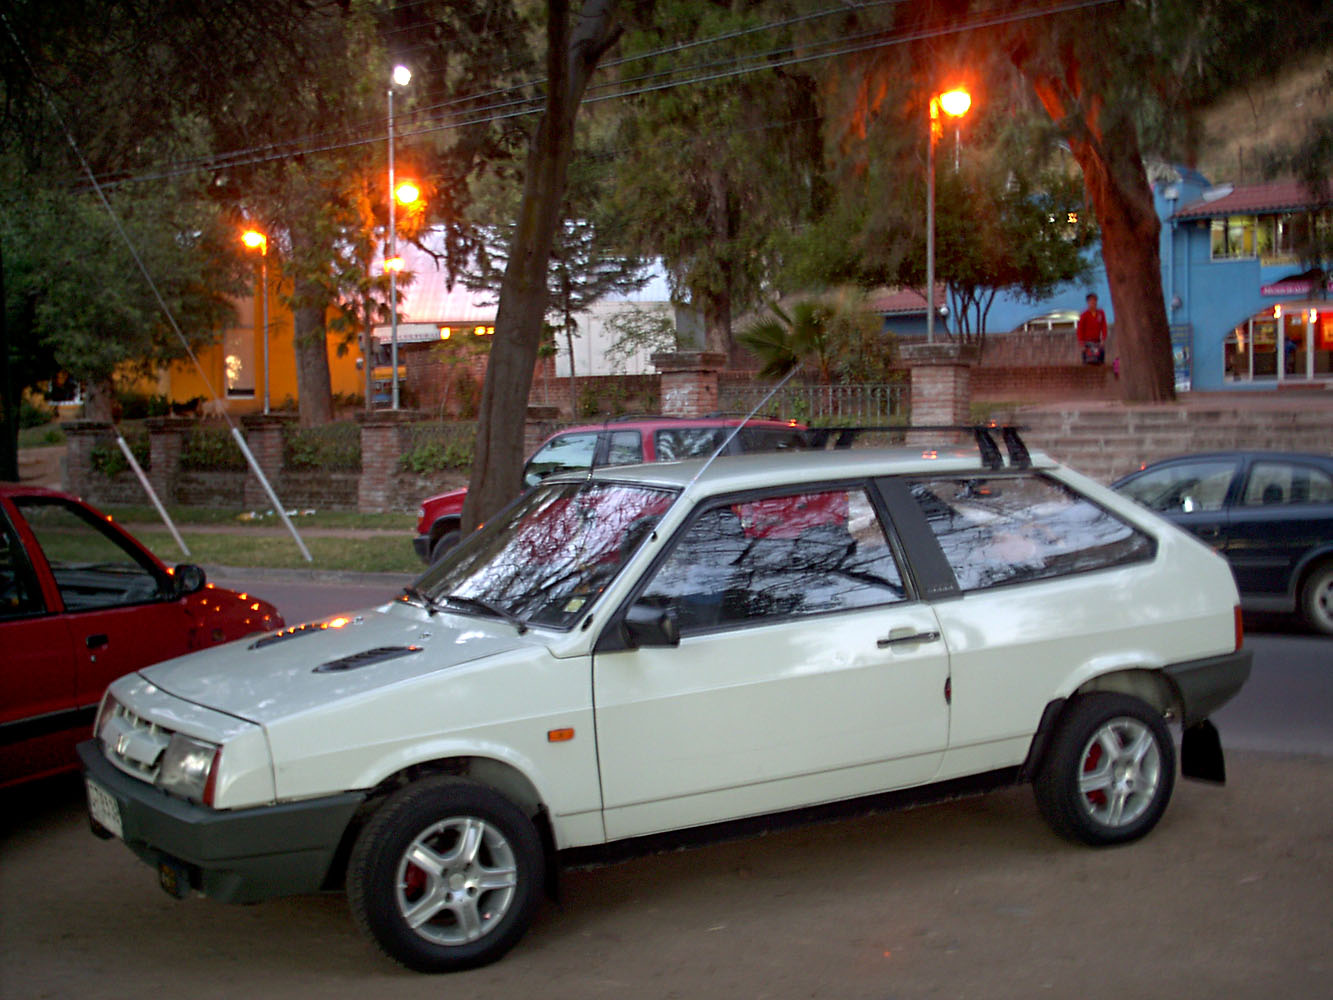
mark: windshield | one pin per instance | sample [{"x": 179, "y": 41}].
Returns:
[{"x": 544, "y": 560}]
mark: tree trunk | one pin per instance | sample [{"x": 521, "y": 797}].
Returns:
[
  {"x": 9, "y": 418},
  {"x": 99, "y": 401},
  {"x": 571, "y": 59},
  {"x": 1106, "y": 146},
  {"x": 310, "y": 340},
  {"x": 716, "y": 301},
  {"x": 310, "y": 300}
]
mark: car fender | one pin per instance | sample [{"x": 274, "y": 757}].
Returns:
[
  {"x": 492, "y": 763},
  {"x": 1312, "y": 558}
]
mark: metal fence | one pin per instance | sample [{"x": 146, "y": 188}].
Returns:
[{"x": 844, "y": 403}]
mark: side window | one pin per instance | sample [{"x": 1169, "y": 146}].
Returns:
[
  {"x": 624, "y": 448},
  {"x": 19, "y": 593},
  {"x": 779, "y": 557},
  {"x": 1286, "y": 483},
  {"x": 568, "y": 451},
  {"x": 687, "y": 442},
  {"x": 1012, "y": 530},
  {"x": 92, "y": 566},
  {"x": 771, "y": 439},
  {"x": 1186, "y": 488}
]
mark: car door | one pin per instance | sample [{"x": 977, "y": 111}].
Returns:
[
  {"x": 118, "y": 604},
  {"x": 805, "y": 672},
  {"x": 1283, "y": 510},
  {"x": 37, "y": 670},
  {"x": 1193, "y": 493}
]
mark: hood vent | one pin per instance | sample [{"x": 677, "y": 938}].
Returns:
[
  {"x": 287, "y": 633},
  {"x": 365, "y": 658}
]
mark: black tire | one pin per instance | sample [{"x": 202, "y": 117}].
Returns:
[
  {"x": 442, "y": 545},
  {"x": 1109, "y": 772},
  {"x": 476, "y": 838},
  {"x": 1317, "y": 598}
]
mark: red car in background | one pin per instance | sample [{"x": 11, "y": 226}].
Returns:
[
  {"x": 81, "y": 603},
  {"x": 627, "y": 441}
]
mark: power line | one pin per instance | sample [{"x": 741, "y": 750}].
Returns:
[{"x": 522, "y": 107}]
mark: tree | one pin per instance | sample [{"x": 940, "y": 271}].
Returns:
[
  {"x": 712, "y": 172},
  {"x": 586, "y": 264},
  {"x": 571, "y": 56}
]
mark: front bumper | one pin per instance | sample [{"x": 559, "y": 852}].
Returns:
[
  {"x": 1206, "y": 685},
  {"x": 236, "y": 856},
  {"x": 421, "y": 546}
]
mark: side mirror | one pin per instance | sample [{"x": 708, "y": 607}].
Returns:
[
  {"x": 189, "y": 578},
  {"x": 646, "y": 625}
]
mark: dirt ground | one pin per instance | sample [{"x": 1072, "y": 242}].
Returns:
[{"x": 1232, "y": 896}]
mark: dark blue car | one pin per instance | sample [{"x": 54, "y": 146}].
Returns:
[{"x": 1269, "y": 512}]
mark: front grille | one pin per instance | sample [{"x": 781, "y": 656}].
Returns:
[{"x": 134, "y": 744}]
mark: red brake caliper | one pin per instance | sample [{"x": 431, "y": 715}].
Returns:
[{"x": 1097, "y": 797}]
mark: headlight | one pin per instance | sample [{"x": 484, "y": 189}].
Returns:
[
  {"x": 104, "y": 716},
  {"x": 188, "y": 768}
]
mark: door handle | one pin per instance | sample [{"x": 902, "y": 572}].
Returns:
[
  {"x": 1208, "y": 531},
  {"x": 909, "y": 638},
  {"x": 96, "y": 641}
]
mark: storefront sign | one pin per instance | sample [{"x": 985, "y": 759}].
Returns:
[{"x": 1292, "y": 288}]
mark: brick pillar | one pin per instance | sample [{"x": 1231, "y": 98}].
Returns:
[
  {"x": 81, "y": 437},
  {"x": 689, "y": 381},
  {"x": 941, "y": 386},
  {"x": 541, "y": 424},
  {"x": 263, "y": 436},
  {"x": 165, "y": 437},
  {"x": 381, "y": 449}
]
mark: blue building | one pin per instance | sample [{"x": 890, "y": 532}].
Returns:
[{"x": 1246, "y": 311}]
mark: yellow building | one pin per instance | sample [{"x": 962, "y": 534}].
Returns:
[{"x": 236, "y": 369}]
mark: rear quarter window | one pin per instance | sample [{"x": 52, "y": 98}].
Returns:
[{"x": 1015, "y": 529}]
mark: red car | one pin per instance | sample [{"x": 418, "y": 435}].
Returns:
[
  {"x": 619, "y": 442},
  {"x": 81, "y": 603}
]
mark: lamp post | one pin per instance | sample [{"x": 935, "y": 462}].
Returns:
[
  {"x": 402, "y": 76},
  {"x": 954, "y": 103},
  {"x": 256, "y": 240}
]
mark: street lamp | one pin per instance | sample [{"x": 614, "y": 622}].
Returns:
[
  {"x": 402, "y": 76},
  {"x": 954, "y": 103},
  {"x": 256, "y": 240}
]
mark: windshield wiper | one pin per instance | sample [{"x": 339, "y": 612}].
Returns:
[
  {"x": 431, "y": 605},
  {"x": 488, "y": 608}
]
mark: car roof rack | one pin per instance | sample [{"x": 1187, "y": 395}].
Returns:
[{"x": 1019, "y": 457}]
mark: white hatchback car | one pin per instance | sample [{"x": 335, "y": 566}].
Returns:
[{"x": 644, "y": 650}]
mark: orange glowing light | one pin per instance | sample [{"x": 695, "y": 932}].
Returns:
[
  {"x": 930, "y": 453},
  {"x": 407, "y": 193},
  {"x": 255, "y": 240},
  {"x": 393, "y": 264},
  {"x": 559, "y": 735},
  {"x": 338, "y": 622},
  {"x": 956, "y": 102}
]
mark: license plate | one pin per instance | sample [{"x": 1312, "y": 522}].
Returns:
[{"x": 104, "y": 809}]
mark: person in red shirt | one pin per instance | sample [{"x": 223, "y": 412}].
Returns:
[{"x": 1091, "y": 332}]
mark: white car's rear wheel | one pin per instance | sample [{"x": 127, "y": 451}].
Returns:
[{"x": 1110, "y": 771}]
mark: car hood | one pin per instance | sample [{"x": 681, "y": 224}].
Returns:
[
  {"x": 223, "y": 615},
  {"x": 307, "y": 666}
]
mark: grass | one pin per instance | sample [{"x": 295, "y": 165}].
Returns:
[
  {"x": 145, "y": 514},
  {"x": 385, "y": 554},
  {"x": 249, "y": 546},
  {"x": 41, "y": 437}
]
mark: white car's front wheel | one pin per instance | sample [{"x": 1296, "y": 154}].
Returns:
[
  {"x": 445, "y": 876},
  {"x": 1109, "y": 773}
]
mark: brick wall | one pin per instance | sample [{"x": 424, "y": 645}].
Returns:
[{"x": 1032, "y": 384}]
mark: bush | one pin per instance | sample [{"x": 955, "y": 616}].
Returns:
[
  {"x": 33, "y": 414},
  {"x": 334, "y": 446},
  {"x": 211, "y": 449},
  {"x": 137, "y": 405},
  {"x": 109, "y": 460},
  {"x": 438, "y": 446}
]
